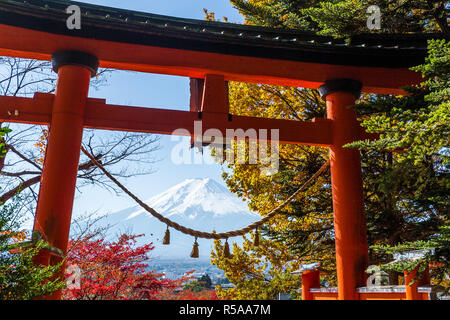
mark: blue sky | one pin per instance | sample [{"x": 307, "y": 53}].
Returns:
[{"x": 151, "y": 90}]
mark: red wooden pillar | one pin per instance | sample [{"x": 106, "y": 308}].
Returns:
[
  {"x": 412, "y": 284},
  {"x": 54, "y": 208},
  {"x": 310, "y": 279},
  {"x": 348, "y": 202}
]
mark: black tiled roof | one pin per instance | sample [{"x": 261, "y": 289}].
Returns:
[{"x": 111, "y": 24}]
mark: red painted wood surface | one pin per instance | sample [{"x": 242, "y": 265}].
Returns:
[
  {"x": 348, "y": 201},
  {"x": 59, "y": 174}
]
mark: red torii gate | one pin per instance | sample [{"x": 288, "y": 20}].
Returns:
[{"x": 214, "y": 53}]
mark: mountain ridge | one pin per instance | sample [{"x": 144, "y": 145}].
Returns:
[{"x": 200, "y": 204}]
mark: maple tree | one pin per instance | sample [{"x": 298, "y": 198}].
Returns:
[{"x": 115, "y": 270}]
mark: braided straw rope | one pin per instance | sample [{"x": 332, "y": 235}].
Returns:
[{"x": 200, "y": 234}]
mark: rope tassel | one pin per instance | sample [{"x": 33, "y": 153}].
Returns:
[
  {"x": 194, "y": 252},
  {"x": 166, "y": 239},
  {"x": 226, "y": 250},
  {"x": 256, "y": 240}
]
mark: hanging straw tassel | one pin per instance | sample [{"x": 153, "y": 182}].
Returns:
[
  {"x": 256, "y": 240},
  {"x": 166, "y": 239},
  {"x": 226, "y": 250},
  {"x": 194, "y": 252}
]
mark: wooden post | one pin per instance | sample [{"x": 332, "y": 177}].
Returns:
[
  {"x": 346, "y": 178},
  {"x": 310, "y": 279},
  {"x": 215, "y": 95},
  {"x": 54, "y": 208},
  {"x": 412, "y": 292}
]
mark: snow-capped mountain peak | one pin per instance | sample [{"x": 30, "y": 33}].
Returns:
[{"x": 201, "y": 204}]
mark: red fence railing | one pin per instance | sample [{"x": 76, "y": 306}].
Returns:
[{"x": 411, "y": 290}]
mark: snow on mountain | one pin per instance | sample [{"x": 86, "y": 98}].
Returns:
[
  {"x": 201, "y": 204},
  {"x": 194, "y": 197}
]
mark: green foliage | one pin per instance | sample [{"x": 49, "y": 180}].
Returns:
[
  {"x": 3, "y": 132},
  {"x": 437, "y": 252},
  {"x": 349, "y": 17},
  {"x": 419, "y": 123},
  {"x": 20, "y": 277},
  {"x": 417, "y": 179},
  {"x": 275, "y": 13},
  {"x": 404, "y": 202}
]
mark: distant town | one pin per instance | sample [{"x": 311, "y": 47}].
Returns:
[{"x": 176, "y": 268}]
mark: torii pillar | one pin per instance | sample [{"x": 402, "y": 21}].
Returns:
[
  {"x": 346, "y": 178},
  {"x": 56, "y": 194}
]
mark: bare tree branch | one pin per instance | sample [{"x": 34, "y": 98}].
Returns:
[
  {"x": 11, "y": 193},
  {"x": 125, "y": 154}
]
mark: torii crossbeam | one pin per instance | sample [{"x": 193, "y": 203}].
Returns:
[{"x": 210, "y": 53}]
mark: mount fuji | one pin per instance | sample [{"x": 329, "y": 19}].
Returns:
[{"x": 200, "y": 204}]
